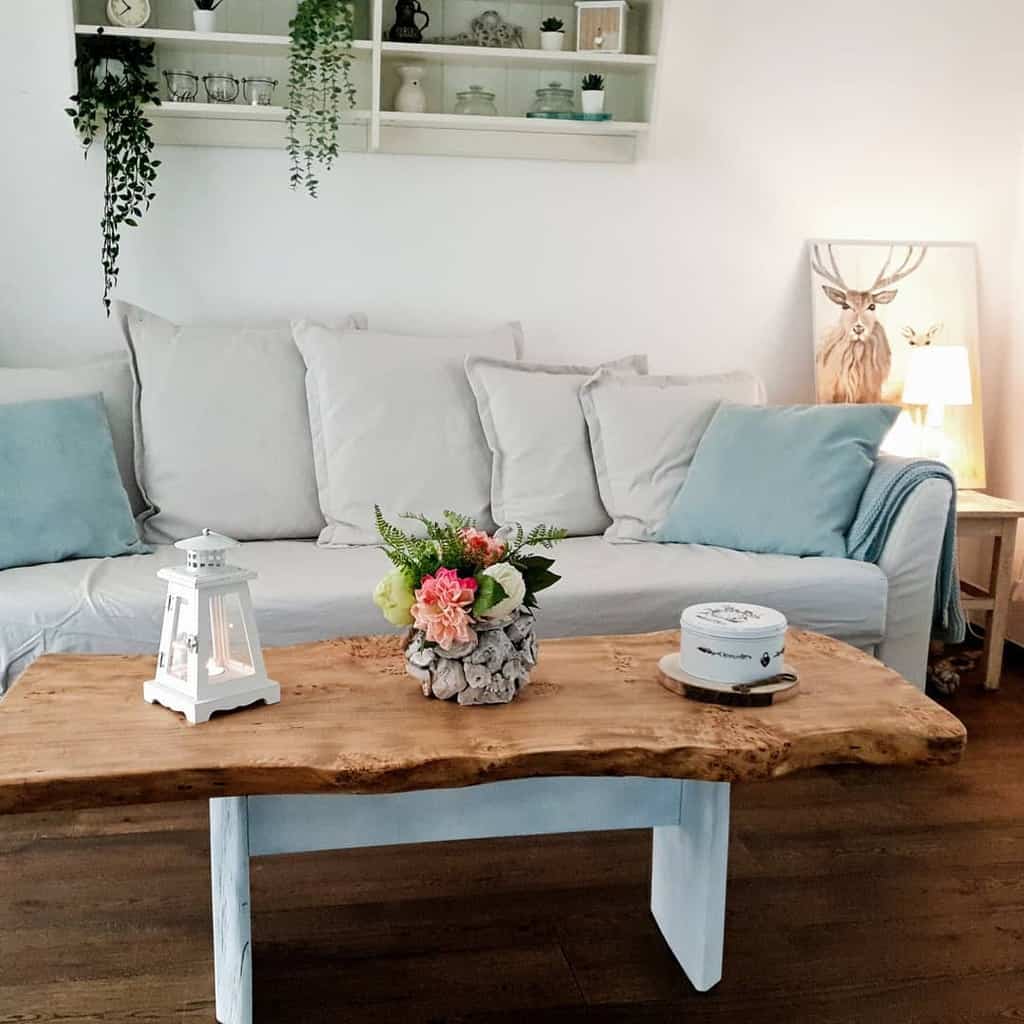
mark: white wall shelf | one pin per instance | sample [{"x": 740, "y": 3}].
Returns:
[
  {"x": 485, "y": 56},
  {"x": 254, "y": 41},
  {"x": 246, "y": 44}
]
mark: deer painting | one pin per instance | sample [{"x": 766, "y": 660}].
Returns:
[
  {"x": 854, "y": 359},
  {"x": 921, "y": 339}
]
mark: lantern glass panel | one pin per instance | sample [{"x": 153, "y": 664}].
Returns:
[
  {"x": 232, "y": 653},
  {"x": 178, "y": 666}
]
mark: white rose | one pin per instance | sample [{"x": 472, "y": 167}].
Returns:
[{"x": 511, "y": 580}]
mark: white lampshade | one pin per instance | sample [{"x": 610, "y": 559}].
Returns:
[{"x": 938, "y": 375}]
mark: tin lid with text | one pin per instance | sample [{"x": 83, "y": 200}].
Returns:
[{"x": 733, "y": 619}]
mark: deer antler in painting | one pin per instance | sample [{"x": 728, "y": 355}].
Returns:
[
  {"x": 833, "y": 276},
  {"x": 905, "y": 269}
]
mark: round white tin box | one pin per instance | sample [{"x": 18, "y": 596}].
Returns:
[{"x": 728, "y": 642}]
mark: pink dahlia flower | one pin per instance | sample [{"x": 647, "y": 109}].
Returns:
[
  {"x": 443, "y": 603},
  {"x": 482, "y": 547}
]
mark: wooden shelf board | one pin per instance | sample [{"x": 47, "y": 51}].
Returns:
[
  {"x": 211, "y": 42},
  {"x": 529, "y": 125},
  {"x": 481, "y": 56}
]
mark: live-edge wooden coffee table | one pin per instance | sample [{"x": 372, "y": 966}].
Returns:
[{"x": 354, "y": 756}]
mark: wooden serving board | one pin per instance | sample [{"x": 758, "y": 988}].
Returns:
[
  {"x": 75, "y": 731},
  {"x": 672, "y": 677}
]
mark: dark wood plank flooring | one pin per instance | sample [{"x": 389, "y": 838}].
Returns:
[{"x": 854, "y": 895}]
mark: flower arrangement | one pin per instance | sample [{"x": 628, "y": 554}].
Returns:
[{"x": 469, "y": 597}]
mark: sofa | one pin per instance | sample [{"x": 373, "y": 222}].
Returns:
[{"x": 266, "y": 473}]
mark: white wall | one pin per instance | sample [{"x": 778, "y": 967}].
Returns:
[{"x": 777, "y": 122}]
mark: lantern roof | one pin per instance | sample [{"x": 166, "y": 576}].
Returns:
[{"x": 208, "y": 540}]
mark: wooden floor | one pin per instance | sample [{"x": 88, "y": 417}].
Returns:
[{"x": 854, "y": 895}]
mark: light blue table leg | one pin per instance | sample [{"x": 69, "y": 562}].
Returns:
[
  {"x": 691, "y": 847},
  {"x": 688, "y": 881},
  {"x": 232, "y": 933}
]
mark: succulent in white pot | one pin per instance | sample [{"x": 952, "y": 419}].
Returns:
[
  {"x": 592, "y": 93},
  {"x": 552, "y": 34},
  {"x": 204, "y": 17}
]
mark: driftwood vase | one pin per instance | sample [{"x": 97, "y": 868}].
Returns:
[{"x": 489, "y": 669}]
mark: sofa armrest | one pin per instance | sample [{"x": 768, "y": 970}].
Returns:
[{"x": 910, "y": 561}]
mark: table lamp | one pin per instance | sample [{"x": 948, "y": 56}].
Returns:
[{"x": 937, "y": 376}]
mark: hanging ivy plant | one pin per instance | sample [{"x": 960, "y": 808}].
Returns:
[
  {"x": 319, "y": 79},
  {"x": 113, "y": 86}
]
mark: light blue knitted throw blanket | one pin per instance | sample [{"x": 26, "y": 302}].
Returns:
[{"x": 891, "y": 483}]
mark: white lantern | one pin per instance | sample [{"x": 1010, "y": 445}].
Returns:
[{"x": 210, "y": 658}]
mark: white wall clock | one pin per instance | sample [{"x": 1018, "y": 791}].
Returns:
[{"x": 128, "y": 13}]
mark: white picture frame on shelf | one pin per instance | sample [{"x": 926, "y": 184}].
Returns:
[{"x": 601, "y": 26}]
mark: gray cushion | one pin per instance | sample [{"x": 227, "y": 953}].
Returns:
[{"x": 306, "y": 592}]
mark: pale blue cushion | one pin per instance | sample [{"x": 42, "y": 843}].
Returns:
[
  {"x": 61, "y": 495},
  {"x": 782, "y": 480}
]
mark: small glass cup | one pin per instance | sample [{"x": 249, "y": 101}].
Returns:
[
  {"x": 221, "y": 87},
  {"x": 182, "y": 85},
  {"x": 259, "y": 91}
]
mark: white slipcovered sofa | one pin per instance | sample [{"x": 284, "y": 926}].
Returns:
[{"x": 307, "y": 592}]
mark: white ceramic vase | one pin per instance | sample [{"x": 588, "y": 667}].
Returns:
[
  {"x": 552, "y": 40},
  {"x": 593, "y": 101},
  {"x": 204, "y": 21},
  {"x": 410, "y": 98}
]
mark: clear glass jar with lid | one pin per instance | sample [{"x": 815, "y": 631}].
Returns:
[
  {"x": 554, "y": 101},
  {"x": 476, "y": 100}
]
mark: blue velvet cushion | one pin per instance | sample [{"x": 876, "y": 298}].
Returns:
[
  {"x": 61, "y": 495},
  {"x": 784, "y": 479}
]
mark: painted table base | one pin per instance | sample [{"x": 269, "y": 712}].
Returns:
[{"x": 691, "y": 844}]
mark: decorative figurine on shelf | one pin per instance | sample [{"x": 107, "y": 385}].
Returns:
[
  {"x": 552, "y": 34},
  {"x": 410, "y": 98},
  {"x": 489, "y": 29},
  {"x": 405, "y": 29},
  {"x": 601, "y": 25},
  {"x": 210, "y": 658}
]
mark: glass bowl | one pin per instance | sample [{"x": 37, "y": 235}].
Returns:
[
  {"x": 221, "y": 87},
  {"x": 259, "y": 91},
  {"x": 182, "y": 85}
]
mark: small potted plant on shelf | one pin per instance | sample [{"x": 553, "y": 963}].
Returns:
[
  {"x": 552, "y": 34},
  {"x": 469, "y": 598},
  {"x": 204, "y": 17},
  {"x": 592, "y": 90}
]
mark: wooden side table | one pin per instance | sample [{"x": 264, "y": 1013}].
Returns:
[{"x": 981, "y": 515}]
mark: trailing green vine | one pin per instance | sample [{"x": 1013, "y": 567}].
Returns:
[
  {"x": 319, "y": 78},
  {"x": 113, "y": 86}
]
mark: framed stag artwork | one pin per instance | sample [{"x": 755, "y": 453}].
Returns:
[{"x": 897, "y": 322}]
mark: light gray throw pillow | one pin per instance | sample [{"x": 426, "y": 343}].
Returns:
[
  {"x": 542, "y": 470},
  {"x": 394, "y": 423},
  {"x": 221, "y": 429},
  {"x": 643, "y": 434}
]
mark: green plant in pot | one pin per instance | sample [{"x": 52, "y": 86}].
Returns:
[
  {"x": 552, "y": 34},
  {"x": 114, "y": 85},
  {"x": 319, "y": 81},
  {"x": 592, "y": 91}
]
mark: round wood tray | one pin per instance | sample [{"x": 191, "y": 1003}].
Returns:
[{"x": 673, "y": 678}]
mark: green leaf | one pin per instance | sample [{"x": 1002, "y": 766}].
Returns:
[
  {"x": 489, "y": 593},
  {"x": 541, "y": 581}
]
